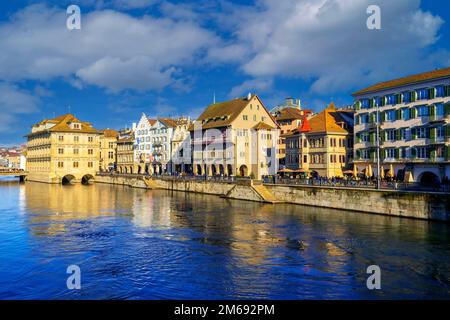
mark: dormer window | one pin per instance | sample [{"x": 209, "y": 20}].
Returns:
[{"x": 76, "y": 126}]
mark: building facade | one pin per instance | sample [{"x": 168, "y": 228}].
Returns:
[
  {"x": 108, "y": 147},
  {"x": 323, "y": 145},
  {"x": 63, "y": 150},
  {"x": 126, "y": 152},
  {"x": 235, "y": 138},
  {"x": 289, "y": 117},
  {"x": 413, "y": 125},
  {"x": 181, "y": 156}
]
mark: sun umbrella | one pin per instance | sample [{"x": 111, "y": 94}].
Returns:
[
  {"x": 382, "y": 172},
  {"x": 369, "y": 171},
  {"x": 355, "y": 171},
  {"x": 409, "y": 177},
  {"x": 390, "y": 173}
]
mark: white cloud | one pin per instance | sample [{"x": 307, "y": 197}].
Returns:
[
  {"x": 327, "y": 40},
  {"x": 112, "y": 50},
  {"x": 13, "y": 103},
  {"x": 253, "y": 86}
]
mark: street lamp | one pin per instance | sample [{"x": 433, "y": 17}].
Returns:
[{"x": 378, "y": 148}]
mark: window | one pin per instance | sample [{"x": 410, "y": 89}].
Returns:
[
  {"x": 365, "y": 104},
  {"x": 76, "y": 138},
  {"x": 440, "y": 91},
  {"x": 421, "y": 153},
  {"x": 90, "y": 139},
  {"x": 390, "y": 153},
  {"x": 364, "y": 118},
  {"x": 421, "y": 132},
  {"x": 75, "y": 164},
  {"x": 90, "y": 151},
  {"x": 390, "y": 135},
  {"x": 60, "y": 151},
  {"x": 422, "y": 94},
  {"x": 406, "y": 114},
  {"x": 61, "y": 138},
  {"x": 423, "y": 111},
  {"x": 390, "y": 115},
  {"x": 439, "y": 109},
  {"x": 305, "y": 159},
  {"x": 245, "y": 117},
  {"x": 404, "y": 134},
  {"x": 60, "y": 164},
  {"x": 90, "y": 164},
  {"x": 75, "y": 151},
  {"x": 407, "y": 97},
  {"x": 391, "y": 99},
  {"x": 254, "y": 117}
]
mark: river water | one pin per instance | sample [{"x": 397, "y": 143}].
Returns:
[{"x": 140, "y": 244}]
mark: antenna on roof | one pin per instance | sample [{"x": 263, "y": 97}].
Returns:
[{"x": 214, "y": 97}]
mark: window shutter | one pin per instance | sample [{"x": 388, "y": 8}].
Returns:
[
  {"x": 358, "y": 154},
  {"x": 432, "y": 133},
  {"x": 383, "y": 117},
  {"x": 358, "y": 105},
  {"x": 432, "y": 93},
  {"x": 447, "y": 131},
  {"x": 413, "y": 113},
  {"x": 372, "y": 137},
  {"x": 447, "y": 153},
  {"x": 413, "y": 134},
  {"x": 413, "y": 96},
  {"x": 398, "y": 134},
  {"x": 383, "y": 101},
  {"x": 399, "y": 98},
  {"x": 397, "y": 153},
  {"x": 432, "y": 110},
  {"x": 413, "y": 152},
  {"x": 447, "y": 109},
  {"x": 398, "y": 114}
]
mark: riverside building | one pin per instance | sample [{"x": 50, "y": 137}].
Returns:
[
  {"x": 235, "y": 138},
  {"x": 322, "y": 146},
  {"x": 413, "y": 125},
  {"x": 62, "y": 150}
]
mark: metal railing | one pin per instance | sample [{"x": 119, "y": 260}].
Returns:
[{"x": 352, "y": 183}]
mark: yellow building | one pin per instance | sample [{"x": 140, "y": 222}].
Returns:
[
  {"x": 322, "y": 146},
  {"x": 108, "y": 147},
  {"x": 235, "y": 138},
  {"x": 62, "y": 150},
  {"x": 125, "y": 153}
]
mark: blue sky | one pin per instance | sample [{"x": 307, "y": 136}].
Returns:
[{"x": 167, "y": 58}]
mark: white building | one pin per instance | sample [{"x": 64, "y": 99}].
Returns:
[
  {"x": 155, "y": 150},
  {"x": 414, "y": 127}
]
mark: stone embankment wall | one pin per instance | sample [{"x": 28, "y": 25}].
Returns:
[{"x": 421, "y": 205}]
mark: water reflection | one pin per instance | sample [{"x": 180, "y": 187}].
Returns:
[{"x": 134, "y": 243}]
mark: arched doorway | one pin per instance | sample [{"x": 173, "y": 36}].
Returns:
[
  {"x": 87, "y": 179},
  {"x": 429, "y": 179},
  {"x": 213, "y": 170},
  {"x": 199, "y": 170},
  {"x": 221, "y": 169},
  {"x": 229, "y": 170},
  {"x": 68, "y": 179},
  {"x": 243, "y": 171}
]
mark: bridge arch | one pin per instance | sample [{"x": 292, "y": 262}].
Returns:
[
  {"x": 68, "y": 179},
  {"x": 87, "y": 179}
]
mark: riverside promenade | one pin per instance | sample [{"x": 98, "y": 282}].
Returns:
[{"x": 426, "y": 205}]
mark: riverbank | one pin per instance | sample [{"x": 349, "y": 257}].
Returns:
[{"x": 418, "y": 205}]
